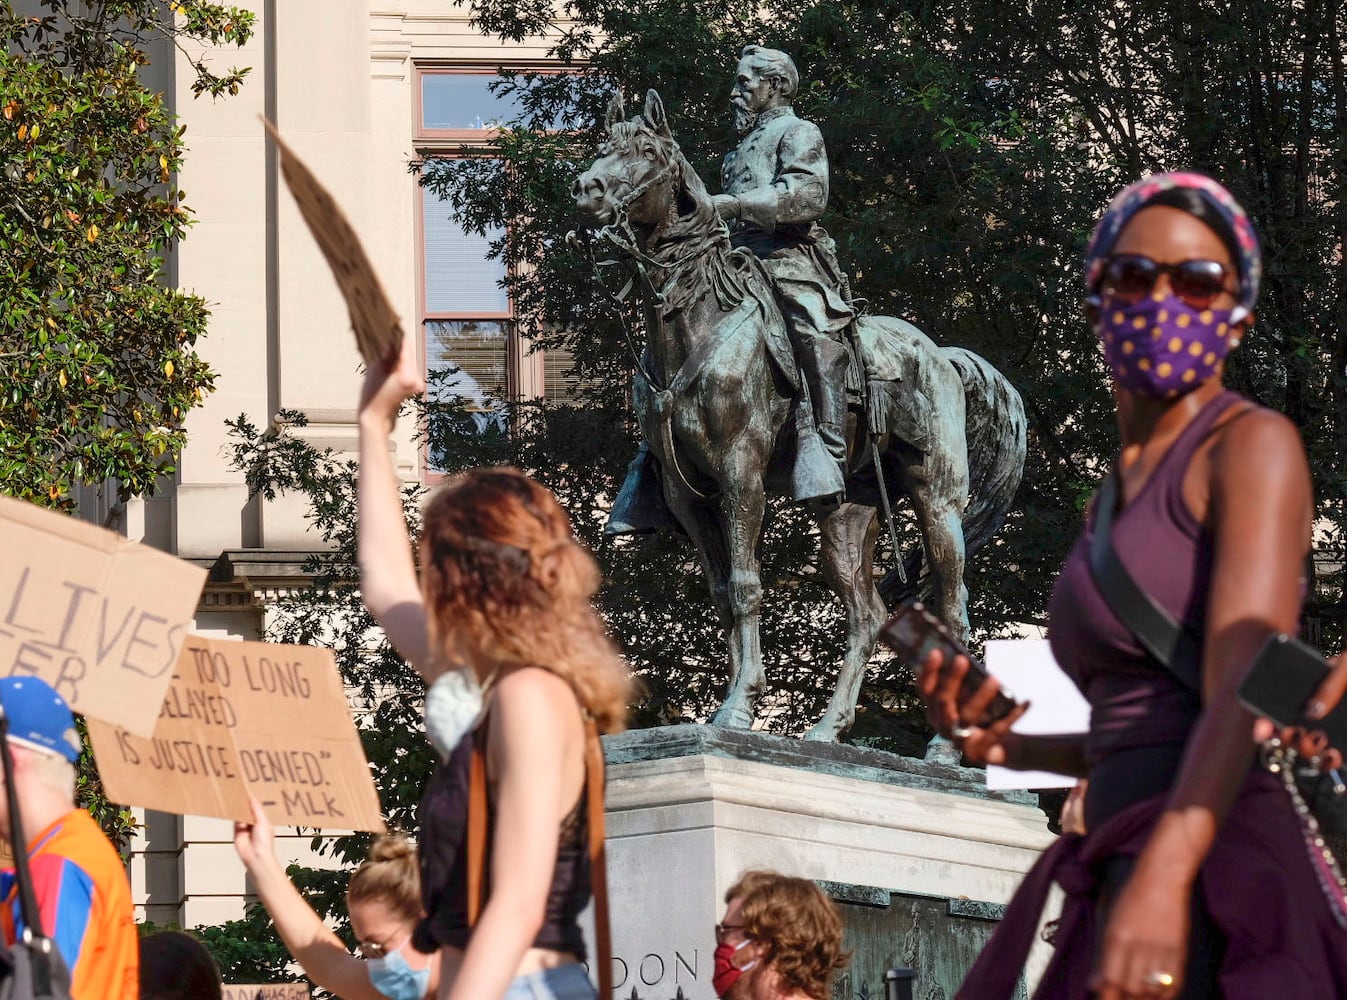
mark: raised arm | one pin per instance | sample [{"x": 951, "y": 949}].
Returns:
[
  {"x": 1260, "y": 510},
  {"x": 388, "y": 583},
  {"x": 314, "y": 946},
  {"x": 535, "y": 758}
]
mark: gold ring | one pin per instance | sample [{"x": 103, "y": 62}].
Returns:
[{"x": 1160, "y": 979}]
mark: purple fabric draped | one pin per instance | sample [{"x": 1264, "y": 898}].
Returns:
[
  {"x": 1071, "y": 862},
  {"x": 1281, "y": 939}
]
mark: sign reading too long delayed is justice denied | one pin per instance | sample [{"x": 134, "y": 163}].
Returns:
[{"x": 240, "y": 719}]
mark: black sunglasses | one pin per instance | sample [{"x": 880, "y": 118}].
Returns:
[{"x": 1130, "y": 277}]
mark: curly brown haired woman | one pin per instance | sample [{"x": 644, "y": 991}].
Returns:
[
  {"x": 501, "y": 626},
  {"x": 781, "y": 939}
]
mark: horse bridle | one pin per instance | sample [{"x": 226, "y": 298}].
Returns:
[{"x": 620, "y": 234}]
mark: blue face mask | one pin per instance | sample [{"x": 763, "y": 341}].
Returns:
[{"x": 395, "y": 979}]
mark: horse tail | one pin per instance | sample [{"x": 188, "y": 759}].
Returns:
[{"x": 997, "y": 433}]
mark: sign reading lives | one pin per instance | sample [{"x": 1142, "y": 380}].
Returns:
[
  {"x": 98, "y": 617},
  {"x": 240, "y": 719}
]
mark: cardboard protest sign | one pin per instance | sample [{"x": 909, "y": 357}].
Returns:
[
  {"x": 246, "y": 718},
  {"x": 378, "y": 330},
  {"x": 272, "y": 991},
  {"x": 97, "y": 616}
]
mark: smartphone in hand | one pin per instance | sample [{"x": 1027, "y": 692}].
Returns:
[
  {"x": 913, "y": 632},
  {"x": 1282, "y": 678}
]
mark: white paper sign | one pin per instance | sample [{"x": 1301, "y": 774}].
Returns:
[{"x": 1027, "y": 668}]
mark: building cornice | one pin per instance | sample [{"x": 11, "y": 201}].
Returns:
[{"x": 249, "y": 579}]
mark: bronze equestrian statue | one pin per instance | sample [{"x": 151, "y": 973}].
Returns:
[{"x": 732, "y": 403}]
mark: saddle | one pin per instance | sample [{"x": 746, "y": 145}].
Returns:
[{"x": 886, "y": 371}]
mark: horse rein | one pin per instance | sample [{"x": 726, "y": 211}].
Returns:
[{"x": 620, "y": 234}]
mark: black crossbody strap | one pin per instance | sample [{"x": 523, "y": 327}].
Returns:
[
  {"x": 1172, "y": 645},
  {"x": 32, "y": 919}
]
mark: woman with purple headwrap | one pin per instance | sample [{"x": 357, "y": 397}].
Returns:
[{"x": 1196, "y": 878}]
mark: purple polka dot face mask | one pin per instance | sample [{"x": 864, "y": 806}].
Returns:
[{"x": 1163, "y": 347}]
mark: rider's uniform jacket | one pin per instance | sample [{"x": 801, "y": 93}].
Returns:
[{"x": 779, "y": 173}]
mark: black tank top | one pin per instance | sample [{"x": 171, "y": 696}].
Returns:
[{"x": 443, "y": 852}]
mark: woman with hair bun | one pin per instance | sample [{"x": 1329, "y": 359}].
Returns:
[
  {"x": 501, "y": 627},
  {"x": 383, "y": 899}
]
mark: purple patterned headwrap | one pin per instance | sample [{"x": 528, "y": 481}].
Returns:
[{"x": 1135, "y": 197}]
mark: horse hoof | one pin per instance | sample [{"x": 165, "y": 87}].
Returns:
[{"x": 732, "y": 718}]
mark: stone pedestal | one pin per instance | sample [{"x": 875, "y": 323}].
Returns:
[{"x": 919, "y": 856}]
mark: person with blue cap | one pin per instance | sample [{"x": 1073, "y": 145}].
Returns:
[{"x": 79, "y": 879}]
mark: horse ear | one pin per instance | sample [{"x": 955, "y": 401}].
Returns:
[
  {"x": 616, "y": 112},
  {"x": 654, "y": 112}
]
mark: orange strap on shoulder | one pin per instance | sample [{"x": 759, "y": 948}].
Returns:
[
  {"x": 477, "y": 814},
  {"x": 598, "y": 862},
  {"x": 598, "y": 858}
]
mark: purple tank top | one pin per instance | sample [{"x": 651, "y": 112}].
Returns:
[{"x": 1134, "y": 701}]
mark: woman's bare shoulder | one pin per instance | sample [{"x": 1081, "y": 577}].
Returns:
[
  {"x": 1257, "y": 439},
  {"x": 535, "y": 679},
  {"x": 534, "y": 716},
  {"x": 1258, "y": 468},
  {"x": 531, "y": 690}
]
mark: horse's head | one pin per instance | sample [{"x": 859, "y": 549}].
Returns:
[{"x": 633, "y": 162}]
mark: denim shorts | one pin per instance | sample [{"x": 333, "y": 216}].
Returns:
[{"x": 565, "y": 982}]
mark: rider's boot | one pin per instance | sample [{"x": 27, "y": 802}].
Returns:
[
  {"x": 814, "y": 474},
  {"x": 640, "y": 507},
  {"x": 823, "y": 362}
]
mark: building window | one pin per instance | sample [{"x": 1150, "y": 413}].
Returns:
[
  {"x": 459, "y": 104},
  {"x": 466, "y": 326},
  {"x": 467, "y": 362},
  {"x": 466, "y": 314}
]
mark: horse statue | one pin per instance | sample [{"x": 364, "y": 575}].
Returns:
[{"x": 715, "y": 394}]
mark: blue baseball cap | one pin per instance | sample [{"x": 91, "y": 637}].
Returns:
[{"x": 38, "y": 717}]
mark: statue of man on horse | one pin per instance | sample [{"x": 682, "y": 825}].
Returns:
[
  {"x": 748, "y": 333},
  {"x": 775, "y": 190}
]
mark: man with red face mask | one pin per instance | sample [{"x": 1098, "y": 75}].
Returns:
[{"x": 780, "y": 939}]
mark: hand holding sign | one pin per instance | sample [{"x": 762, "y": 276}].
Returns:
[
  {"x": 246, "y": 718},
  {"x": 378, "y": 331}
]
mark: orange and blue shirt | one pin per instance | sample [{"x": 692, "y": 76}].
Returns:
[{"x": 85, "y": 902}]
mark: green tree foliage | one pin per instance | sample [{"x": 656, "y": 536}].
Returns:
[
  {"x": 98, "y": 349},
  {"x": 1255, "y": 94}
]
